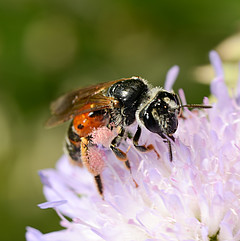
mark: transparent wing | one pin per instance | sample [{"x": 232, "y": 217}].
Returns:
[{"x": 80, "y": 101}]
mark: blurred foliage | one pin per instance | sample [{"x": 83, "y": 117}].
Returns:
[{"x": 48, "y": 47}]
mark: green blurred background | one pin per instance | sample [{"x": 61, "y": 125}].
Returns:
[{"x": 48, "y": 47}]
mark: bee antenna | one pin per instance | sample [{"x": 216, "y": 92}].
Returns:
[{"x": 196, "y": 106}]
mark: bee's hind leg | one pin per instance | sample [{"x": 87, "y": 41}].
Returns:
[
  {"x": 78, "y": 150},
  {"x": 98, "y": 181},
  {"x": 93, "y": 161}
]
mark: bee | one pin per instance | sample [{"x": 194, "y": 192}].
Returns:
[{"x": 115, "y": 105}]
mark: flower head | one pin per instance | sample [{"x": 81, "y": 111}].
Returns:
[{"x": 195, "y": 197}]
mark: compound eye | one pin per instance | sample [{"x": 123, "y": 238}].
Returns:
[{"x": 150, "y": 118}]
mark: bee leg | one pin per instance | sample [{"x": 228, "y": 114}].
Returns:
[
  {"x": 93, "y": 161},
  {"x": 128, "y": 166},
  {"x": 73, "y": 146},
  {"x": 99, "y": 184},
  {"x": 142, "y": 148},
  {"x": 77, "y": 148},
  {"x": 122, "y": 156}
]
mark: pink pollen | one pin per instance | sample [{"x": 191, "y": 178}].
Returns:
[
  {"x": 95, "y": 160},
  {"x": 103, "y": 136}
]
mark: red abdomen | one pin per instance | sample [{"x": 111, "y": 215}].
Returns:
[{"x": 85, "y": 123}]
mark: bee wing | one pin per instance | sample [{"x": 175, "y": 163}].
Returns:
[{"x": 80, "y": 101}]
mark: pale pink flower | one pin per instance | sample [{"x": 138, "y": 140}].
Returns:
[{"x": 195, "y": 197}]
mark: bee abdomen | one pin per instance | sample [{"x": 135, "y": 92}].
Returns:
[
  {"x": 74, "y": 152},
  {"x": 73, "y": 145}
]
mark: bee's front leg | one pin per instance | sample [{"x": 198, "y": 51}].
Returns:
[{"x": 142, "y": 148}]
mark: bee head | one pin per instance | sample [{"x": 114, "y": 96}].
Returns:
[{"x": 160, "y": 115}]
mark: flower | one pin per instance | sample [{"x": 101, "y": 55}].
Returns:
[{"x": 194, "y": 197}]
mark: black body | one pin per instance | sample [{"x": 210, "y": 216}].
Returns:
[{"x": 130, "y": 93}]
